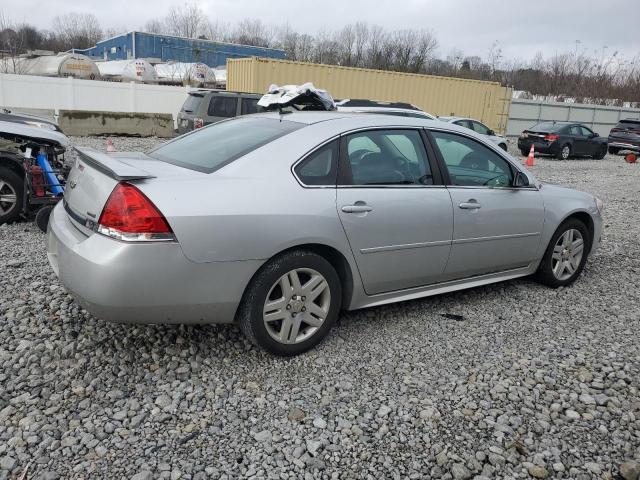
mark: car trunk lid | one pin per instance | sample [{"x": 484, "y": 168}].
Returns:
[{"x": 95, "y": 174}]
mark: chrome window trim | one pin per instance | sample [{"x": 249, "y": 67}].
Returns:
[{"x": 496, "y": 149}]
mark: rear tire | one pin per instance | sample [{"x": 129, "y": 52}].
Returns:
[
  {"x": 602, "y": 151},
  {"x": 564, "y": 152},
  {"x": 291, "y": 303},
  {"x": 614, "y": 150},
  {"x": 11, "y": 195},
  {"x": 564, "y": 253},
  {"x": 42, "y": 217}
]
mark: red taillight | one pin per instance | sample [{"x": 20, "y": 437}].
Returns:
[
  {"x": 615, "y": 130},
  {"x": 198, "y": 123},
  {"x": 552, "y": 137},
  {"x": 130, "y": 215}
]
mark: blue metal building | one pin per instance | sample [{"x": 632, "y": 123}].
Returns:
[{"x": 179, "y": 49}]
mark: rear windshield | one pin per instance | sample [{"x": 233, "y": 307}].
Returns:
[
  {"x": 191, "y": 103},
  {"x": 633, "y": 124},
  {"x": 547, "y": 127},
  {"x": 210, "y": 148}
]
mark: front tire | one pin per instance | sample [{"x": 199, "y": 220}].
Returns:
[
  {"x": 291, "y": 303},
  {"x": 11, "y": 195},
  {"x": 600, "y": 154},
  {"x": 566, "y": 255},
  {"x": 614, "y": 150},
  {"x": 564, "y": 152}
]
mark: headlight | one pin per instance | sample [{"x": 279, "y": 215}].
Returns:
[{"x": 599, "y": 205}]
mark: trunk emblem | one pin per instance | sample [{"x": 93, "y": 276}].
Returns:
[{"x": 72, "y": 183}]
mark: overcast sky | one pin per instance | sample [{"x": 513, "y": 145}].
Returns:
[{"x": 521, "y": 27}]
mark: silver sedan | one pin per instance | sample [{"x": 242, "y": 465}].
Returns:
[{"x": 280, "y": 221}]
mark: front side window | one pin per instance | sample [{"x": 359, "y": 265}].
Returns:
[
  {"x": 210, "y": 148},
  {"x": 224, "y": 107},
  {"x": 320, "y": 167},
  {"x": 464, "y": 123},
  {"x": 586, "y": 132},
  {"x": 387, "y": 157},
  {"x": 480, "y": 128},
  {"x": 472, "y": 164}
]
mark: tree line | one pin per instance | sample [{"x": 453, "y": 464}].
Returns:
[{"x": 596, "y": 77}]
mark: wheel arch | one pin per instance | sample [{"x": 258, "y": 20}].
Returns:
[
  {"x": 337, "y": 260},
  {"x": 12, "y": 164},
  {"x": 586, "y": 219}
]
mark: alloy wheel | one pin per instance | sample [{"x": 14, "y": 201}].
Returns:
[
  {"x": 567, "y": 254},
  {"x": 565, "y": 152},
  {"x": 8, "y": 198},
  {"x": 296, "y": 306}
]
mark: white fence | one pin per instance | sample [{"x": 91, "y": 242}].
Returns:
[
  {"x": 601, "y": 118},
  {"x": 53, "y": 93}
]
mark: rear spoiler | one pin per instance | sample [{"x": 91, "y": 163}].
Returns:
[{"x": 111, "y": 166}]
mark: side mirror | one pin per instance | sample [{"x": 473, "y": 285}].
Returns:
[
  {"x": 594, "y": 135},
  {"x": 491, "y": 132},
  {"x": 520, "y": 180}
]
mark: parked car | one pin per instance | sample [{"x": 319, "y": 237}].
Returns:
[
  {"x": 280, "y": 221},
  {"x": 388, "y": 108},
  {"x": 479, "y": 128},
  {"x": 204, "y": 107},
  {"x": 625, "y": 136},
  {"x": 562, "y": 140}
]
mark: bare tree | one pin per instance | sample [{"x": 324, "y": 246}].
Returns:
[
  {"x": 77, "y": 30},
  {"x": 12, "y": 43},
  {"x": 186, "y": 20}
]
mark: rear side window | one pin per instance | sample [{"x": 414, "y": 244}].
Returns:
[
  {"x": 320, "y": 167},
  {"x": 224, "y": 107},
  {"x": 191, "y": 103},
  {"x": 248, "y": 106},
  {"x": 387, "y": 157},
  {"x": 480, "y": 128},
  {"x": 210, "y": 148}
]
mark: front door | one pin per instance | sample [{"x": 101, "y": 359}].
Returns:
[
  {"x": 394, "y": 209},
  {"x": 496, "y": 227}
]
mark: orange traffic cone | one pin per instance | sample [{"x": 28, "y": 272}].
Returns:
[
  {"x": 110, "y": 147},
  {"x": 631, "y": 158},
  {"x": 530, "y": 158}
]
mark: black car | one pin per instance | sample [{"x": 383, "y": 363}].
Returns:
[
  {"x": 563, "y": 139},
  {"x": 625, "y": 136}
]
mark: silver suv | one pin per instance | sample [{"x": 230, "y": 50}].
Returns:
[{"x": 203, "y": 107}]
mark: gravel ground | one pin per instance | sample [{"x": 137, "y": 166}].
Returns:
[{"x": 513, "y": 380}]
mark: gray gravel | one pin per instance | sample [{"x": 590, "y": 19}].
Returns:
[{"x": 531, "y": 382}]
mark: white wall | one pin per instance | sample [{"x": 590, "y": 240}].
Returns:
[
  {"x": 601, "y": 118},
  {"x": 53, "y": 93}
]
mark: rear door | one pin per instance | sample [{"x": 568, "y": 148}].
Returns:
[
  {"x": 496, "y": 227},
  {"x": 394, "y": 209}
]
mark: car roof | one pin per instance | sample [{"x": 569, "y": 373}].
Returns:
[{"x": 358, "y": 120}]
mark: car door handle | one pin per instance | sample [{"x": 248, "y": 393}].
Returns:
[
  {"x": 470, "y": 205},
  {"x": 356, "y": 208}
]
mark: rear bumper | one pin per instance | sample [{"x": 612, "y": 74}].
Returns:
[
  {"x": 143, "y": 283},
  {"x": 539, "y": 146}
]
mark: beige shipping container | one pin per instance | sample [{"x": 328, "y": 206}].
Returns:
[{"x": 485, "y": 101}]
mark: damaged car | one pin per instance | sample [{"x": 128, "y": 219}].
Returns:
[{"x": 32, "y": 170}]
